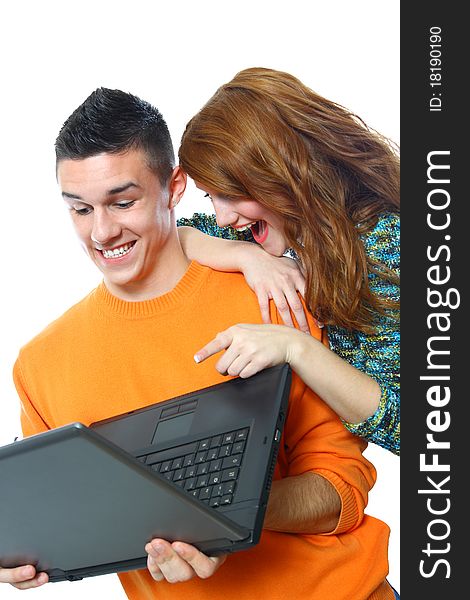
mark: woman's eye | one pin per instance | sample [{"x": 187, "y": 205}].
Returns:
[{"x": 207, "y": 195}]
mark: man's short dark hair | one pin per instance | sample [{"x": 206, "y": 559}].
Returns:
[{"x": 114, "y": 121}]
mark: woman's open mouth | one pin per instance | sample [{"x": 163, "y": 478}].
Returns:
[{"x": 260, "y": 231}]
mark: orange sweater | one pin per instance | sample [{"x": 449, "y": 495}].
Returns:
[{"x": 105, "y": 356}]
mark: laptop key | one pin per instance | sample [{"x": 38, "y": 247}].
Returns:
[
  {"x": 190, "y": 471},
  {"x": 202, "y": 481},
  {"x": 232, "y": 461},
  {"x": 202, "y": 469},
  {"x": 225, "y": 451},
  {"x": 230, "y": 474},
  {"x": 200, "y": 457},
  {"x": 204, "y": 445},
  {"x": 205, "y": 493},
  {"x": 189, "y": 460},
  {"x": 238, "y": 447},
  {"x": 212, "y": 454},
  {"x": 228, "y": 438},
  {"x": 190, "y": 484},
  {"x": 165, "y": 467},
  {"x": 215, "y": 465},
  {"x": 228, "y": 487},
  {"x": 218, "y": 490},
  {"x": 177, "y": 463},
  {"x": 241, "y": 434},
  {"x": 216, "y": 441},
  {"x": 215, "y": 478},
  {"x": 226, "y": 500},
  {"x": 178, "y": 474}
]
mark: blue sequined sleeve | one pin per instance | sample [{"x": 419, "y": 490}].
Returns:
[
  {"x": 207, "y": 224},
  {"x": 378, "y": 355}
]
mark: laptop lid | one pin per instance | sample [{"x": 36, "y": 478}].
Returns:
[{"x": 81, "y": 501}]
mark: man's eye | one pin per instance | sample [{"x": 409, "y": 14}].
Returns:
[
  {"x": 124, "y": 205},
  {"x": 82, "y": 211}
]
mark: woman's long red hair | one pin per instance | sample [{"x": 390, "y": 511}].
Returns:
[{"x": 268, "y": 137}]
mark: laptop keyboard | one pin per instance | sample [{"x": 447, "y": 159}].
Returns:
[{"x": 207, "y": 469}]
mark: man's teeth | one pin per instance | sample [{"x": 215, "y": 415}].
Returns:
[{"x": 116, "y": 252}]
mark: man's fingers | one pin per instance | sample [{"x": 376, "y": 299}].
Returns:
[
  {"x": 154, "y": 569},
  {"x": 179, "y": 561},
  {"x": 37, "y": 581},
  {"x": 204, "y": 566},
  {"x": 24, "y": 577},
  {"x": 18, "y": 574},
  {"x": 164, "y": 562}
]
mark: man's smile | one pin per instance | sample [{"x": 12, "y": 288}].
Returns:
[{"x": 117, "y": 252}]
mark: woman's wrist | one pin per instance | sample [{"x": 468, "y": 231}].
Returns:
[
  {"x": 245, "y": 253},
  {"x": 299, "y": 343}
]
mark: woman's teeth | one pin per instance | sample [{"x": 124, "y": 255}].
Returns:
[
  {"x": 245, "y": 227},
  {"x": 117, "y": 252}
]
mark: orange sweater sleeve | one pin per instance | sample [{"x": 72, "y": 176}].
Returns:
[
  {"x": 316, "y": 441},
  {"x": 31, "y": 421}
]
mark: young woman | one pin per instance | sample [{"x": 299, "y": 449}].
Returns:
[{"x": 296, "y": 172}]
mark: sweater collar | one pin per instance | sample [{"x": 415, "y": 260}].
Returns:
[{"x": 186, "y": 286}]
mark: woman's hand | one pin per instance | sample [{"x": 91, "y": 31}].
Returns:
[
  {"x": 270, "y": 277},
  {"x": 251, "y": 348},
  {"x": 281, "y": 279}
]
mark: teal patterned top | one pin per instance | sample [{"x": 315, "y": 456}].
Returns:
[{"x": 376, "y": 354}]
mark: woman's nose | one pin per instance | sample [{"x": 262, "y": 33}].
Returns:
[{"x": 224, "y": 214}]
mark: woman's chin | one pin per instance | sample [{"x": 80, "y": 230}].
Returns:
[{"x": 274, "y": 249}]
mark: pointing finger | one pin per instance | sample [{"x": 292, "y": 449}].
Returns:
[{"x": 220, "y": 342}]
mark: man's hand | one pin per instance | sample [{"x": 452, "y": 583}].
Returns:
[
  {"x": 179, "y": 561},
  {"x": 23, "y": 578}
]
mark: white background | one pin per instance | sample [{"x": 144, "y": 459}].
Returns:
[{"x": 175, "y": 55}]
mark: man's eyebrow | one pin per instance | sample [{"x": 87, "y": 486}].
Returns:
[
  {"x": 71, "y": 196},
  {"x": 122, "y": 188},
  {"x": 112, "y": 192}
]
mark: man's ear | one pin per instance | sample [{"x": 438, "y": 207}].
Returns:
[{"x": 177, "y": 186}]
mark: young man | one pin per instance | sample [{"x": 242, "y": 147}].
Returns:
[{"x": 131, "y": 342}]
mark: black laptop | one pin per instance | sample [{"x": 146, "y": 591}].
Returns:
[{"x": 81, "y": 501}]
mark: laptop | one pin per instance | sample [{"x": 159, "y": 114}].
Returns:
[{"x": 81, "y": 501}]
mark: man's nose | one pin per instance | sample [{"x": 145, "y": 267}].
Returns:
[
  {"x": 105, "y": 227},
  {"x": 224, "y": 215}
]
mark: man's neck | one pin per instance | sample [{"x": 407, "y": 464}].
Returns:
[{"x": 164, "y": 279}]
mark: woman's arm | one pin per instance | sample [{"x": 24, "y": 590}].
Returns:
[
  {"x": 270, "y": 277},
  {"x": 249, "y": 348}
]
